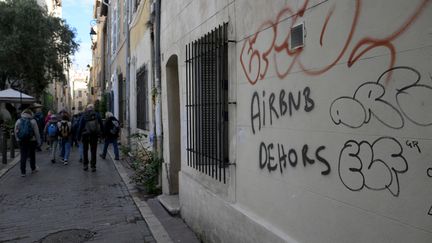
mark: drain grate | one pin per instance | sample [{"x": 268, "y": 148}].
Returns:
[{"x": 70, "y": 235}]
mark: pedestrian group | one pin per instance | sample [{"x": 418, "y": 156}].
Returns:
[{"x": 61, "y": 132}]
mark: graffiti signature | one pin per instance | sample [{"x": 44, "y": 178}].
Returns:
[
  {"x": 373, "y": 166},
  {"x": 413, "y": 102}
]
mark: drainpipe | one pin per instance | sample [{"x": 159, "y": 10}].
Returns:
[
  {"x": 128, "y": 74},
  {"x": 158, "y": 108}
]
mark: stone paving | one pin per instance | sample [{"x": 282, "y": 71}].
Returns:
[{"x": 63, "y": 202}]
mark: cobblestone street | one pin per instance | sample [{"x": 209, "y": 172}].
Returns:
[{"x": 63, "y": 202}]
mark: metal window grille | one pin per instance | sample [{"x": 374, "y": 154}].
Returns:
[
  {"x": 207, "y": 103},
  {"x": 142, "y": 99}
]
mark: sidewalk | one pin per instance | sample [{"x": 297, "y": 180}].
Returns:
[
  {"x": 11, "y": 162},
  {"x": 63, "y": 203},
  {"x": 165, "y": 227}
]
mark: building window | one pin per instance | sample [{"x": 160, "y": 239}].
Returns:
[
  {"x": 79, "y": 93},
  {"x": 80, "y": 106},
  {"x": 142, "y": 99},
  {"x": 122, "y": 98},
  {"x": 207, "y": 103}
]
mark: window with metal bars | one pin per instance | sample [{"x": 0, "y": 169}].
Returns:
[
  {"x": 142, "y": 99},
  {"x": 207, "y": 103}
]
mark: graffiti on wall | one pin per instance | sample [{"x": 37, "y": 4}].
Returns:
[
  {"x": 396, "y": 99},
  {"x": 267, "y": 108},
  {"x": 412, "y": 102},
  {"x": 264, "y": 110},
  {"x": 271, "y": 160},
  {"x": 270, "y": 43},
  {"x": 374, "y": 166}
]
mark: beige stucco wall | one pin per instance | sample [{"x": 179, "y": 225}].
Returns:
[{"x": 331, "y": 142}]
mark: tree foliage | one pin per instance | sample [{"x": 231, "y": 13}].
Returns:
[{"x": 35, "y": 47}]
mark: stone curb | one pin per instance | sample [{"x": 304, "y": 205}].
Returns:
[
  {"x": 9, "y": 166},
  {"x": 155, "y": 226}
]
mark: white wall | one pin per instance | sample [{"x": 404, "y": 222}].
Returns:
[
  {"x": 361, "y": 133},
  {"x": 141, "y": 56}
]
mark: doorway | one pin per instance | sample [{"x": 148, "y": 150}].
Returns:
[{"x": 173, "y": 166}]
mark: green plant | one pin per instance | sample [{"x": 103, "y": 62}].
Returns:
[
  {"x": 125, "y": 150},
  {"x": 144, "y": 163}
]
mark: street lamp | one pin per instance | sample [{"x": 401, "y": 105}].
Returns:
[{"x": 93, "y": 22}]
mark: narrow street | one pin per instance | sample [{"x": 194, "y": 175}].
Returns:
[{"x": 63, "y": 203}]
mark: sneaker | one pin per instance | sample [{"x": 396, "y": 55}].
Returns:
[
  {"x": 100, "y": 155},
  {"x": 34, "y": 171},
  {"x": 53, "y": 161},
  {"x": 65, "y": 162},
  {"x": 23, "y": 175},
  {"x": 117, "y": 159},
  {"x": 93, "y": 169},
  {"x": 85, "y": 168}
]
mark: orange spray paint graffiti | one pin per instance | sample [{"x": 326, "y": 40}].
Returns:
[{"x": 255, "y": 61}]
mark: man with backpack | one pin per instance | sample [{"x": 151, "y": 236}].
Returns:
[
  {"x": 90, "y": 129},
  {"x": 28, "y": 138},
  {"x": 51, "y": 135},
  {"x": 111, "y": 133},
  {"x": 65, "y": 133}
]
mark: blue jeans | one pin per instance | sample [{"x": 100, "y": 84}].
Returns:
[
  {"x": 65, "y": 149},
  {"x": 80, "y": 149},
  {"x": 115, "y": 146},
  {"x": 53, "y": 147}
]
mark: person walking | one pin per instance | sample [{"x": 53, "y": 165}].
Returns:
[
  {"x": 51, "y": 136},
  {"x": 76, "y": 119},
  {"x": 65, "y": 133},
  {"x": 110, "y": 133},
  {"x": 89, "y": 132},
  {"x": 47, "y": 120},
  {"x": 28, "y": 137},
  {"x": 40, "y": 120}
]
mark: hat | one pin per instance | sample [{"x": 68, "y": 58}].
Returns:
[
  {"x": 37, "y": 105},
  {"x": 28, "y": 111}
]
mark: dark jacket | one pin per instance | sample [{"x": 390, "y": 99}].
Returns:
[
  {"x": 76, "y": 119},
  {"x": 82, "y": 124},
  {"x": 108, "y": 126}
]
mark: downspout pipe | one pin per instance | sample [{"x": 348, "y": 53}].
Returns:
[
  {"x": 158, "y": 109},
  {"x": 128, "y": 75}
]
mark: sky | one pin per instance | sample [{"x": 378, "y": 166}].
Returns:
[{"x": 78, "y": 14}]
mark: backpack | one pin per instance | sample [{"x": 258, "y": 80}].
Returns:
[
  {"x": 25, "y": 129},
  {"x": 92, "y": 124},
  {"x": 115, "y": 128},
  {"x": 64, "y": 129},
  {"x": 52, "y": 129}
]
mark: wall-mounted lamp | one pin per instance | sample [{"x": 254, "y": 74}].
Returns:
[{"x": 92, "y": 31}]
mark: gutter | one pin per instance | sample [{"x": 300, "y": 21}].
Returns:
[{"x": 158, "y": 108}]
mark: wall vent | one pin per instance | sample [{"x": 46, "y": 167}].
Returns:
[{"x": 297, "y": 36}]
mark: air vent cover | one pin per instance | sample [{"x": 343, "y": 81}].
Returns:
[{"x": 297, "y": 36}]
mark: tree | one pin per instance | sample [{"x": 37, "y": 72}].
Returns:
[{"x": 35, "y": 47}]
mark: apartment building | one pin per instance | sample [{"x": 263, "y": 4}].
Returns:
[{"x": 283, "y": 121}]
